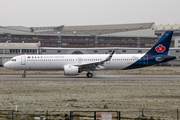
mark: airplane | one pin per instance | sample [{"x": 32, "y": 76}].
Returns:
[{"x": 75, "y": 64}]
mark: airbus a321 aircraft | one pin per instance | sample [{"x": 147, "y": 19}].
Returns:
[{"x": 75, "y": 64}]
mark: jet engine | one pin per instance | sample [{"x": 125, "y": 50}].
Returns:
[{"x": 71, "y": 70}]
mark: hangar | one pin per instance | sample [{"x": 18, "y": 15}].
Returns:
[{"x": 90, "y": 36}]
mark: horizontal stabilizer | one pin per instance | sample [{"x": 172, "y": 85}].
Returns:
[{"x": 159, "y": 59}]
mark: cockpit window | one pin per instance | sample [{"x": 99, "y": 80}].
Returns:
[{"x": 13, "y": 59}]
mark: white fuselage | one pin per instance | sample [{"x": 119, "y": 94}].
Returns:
[{"x": 57, "y": 62}]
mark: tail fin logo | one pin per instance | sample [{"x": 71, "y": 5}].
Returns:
[{"x": 160, "y": 48}]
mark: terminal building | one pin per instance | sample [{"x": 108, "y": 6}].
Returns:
[{"x": 91, "y": 39}]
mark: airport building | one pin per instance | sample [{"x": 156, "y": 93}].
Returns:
[
  {"x": 139, "y": 35},
  {"x": 9, "y": 50},
  {"x": 91, "y": 39},
  {"x": 160, "y": 29}
]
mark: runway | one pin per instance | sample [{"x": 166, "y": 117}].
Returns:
[{"x": 95, "y": 78}]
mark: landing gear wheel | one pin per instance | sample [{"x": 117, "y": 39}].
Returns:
[
  {"x": 89, "y": 75},
  {"x": 24, "y": 75}
]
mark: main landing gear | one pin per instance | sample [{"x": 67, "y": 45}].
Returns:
[
  {"x": 89, "y": 75},
  {"x": 24, "y": 74}
]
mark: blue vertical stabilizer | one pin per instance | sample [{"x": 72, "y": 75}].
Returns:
[{"x": 157, "y": 54}]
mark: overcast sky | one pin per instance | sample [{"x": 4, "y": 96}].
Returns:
[{"x": 87, "y": 12}]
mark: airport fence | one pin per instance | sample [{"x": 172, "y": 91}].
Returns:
[{"x": 141, "y": 114}]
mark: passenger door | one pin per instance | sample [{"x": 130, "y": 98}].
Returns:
[
  {"x": 23, "y": 60},
  {"x": 146, "y": 59}
]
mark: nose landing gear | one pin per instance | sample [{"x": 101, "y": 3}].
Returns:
[
  {"x": 89, "y": 75},
  {"x": 24, "y": 74}
]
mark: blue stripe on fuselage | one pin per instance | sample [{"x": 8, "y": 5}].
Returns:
[{"x": 151, "y": 56}]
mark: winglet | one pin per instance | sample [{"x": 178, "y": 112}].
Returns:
[{"x": 110, "y": 56}]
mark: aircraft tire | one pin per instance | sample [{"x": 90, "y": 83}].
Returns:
[
  {"x": 89, "y": 75},
  {"x": 24, "y": 75}
]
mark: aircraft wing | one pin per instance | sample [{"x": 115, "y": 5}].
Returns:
[{"x": 95, "y": 65}]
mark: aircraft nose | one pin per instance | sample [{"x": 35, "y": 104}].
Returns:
[{"x": 6, "y": 65}]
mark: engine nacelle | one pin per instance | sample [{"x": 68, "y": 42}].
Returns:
[{"x": 71, "y": 70}]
